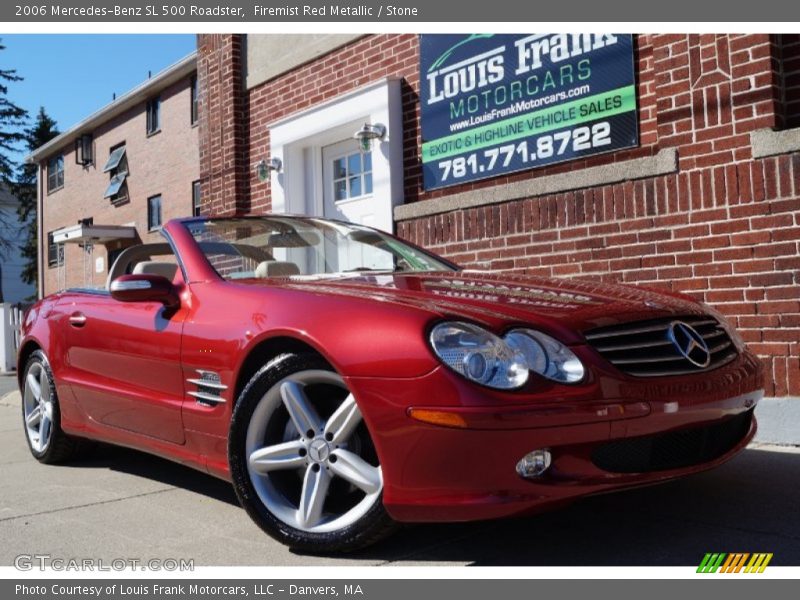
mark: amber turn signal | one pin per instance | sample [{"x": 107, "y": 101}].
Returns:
[{"x": 437, "y": 417}]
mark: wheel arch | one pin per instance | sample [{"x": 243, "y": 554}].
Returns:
[
  {"x": 265, "y": 350},
  {"x": 23, "y": 355}
]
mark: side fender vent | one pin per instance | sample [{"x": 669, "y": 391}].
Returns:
[{"x": 209, "y": 388}]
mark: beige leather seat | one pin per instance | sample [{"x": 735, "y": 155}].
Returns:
[
  {"x": 276, "y": 268},
  {"x": 152, "y": 267}
]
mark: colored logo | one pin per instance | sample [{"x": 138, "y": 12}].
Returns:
[
  {"x": 689, "y": 343},
  {"x": 737, "y": 562}
]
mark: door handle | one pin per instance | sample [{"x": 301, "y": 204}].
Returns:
[{"x": 77, "y": 319}]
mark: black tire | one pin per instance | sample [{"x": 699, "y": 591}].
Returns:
[
  {"x": 373, "y": 526},
  {"x": 61, "y": 447}
]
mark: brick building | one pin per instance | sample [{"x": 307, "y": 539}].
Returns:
[
  {"x": 707, "y": 201},
  {"x": 115, "y": 177}
]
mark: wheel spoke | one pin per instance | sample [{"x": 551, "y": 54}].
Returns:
[
  {"x": 300, "y": 410},
  {"x": 44, "y": 430},
  {"x": 33, "y": 386},
  {"x": 279, "y": 456},
  {"x": 44, "y": 388},
  {"x": 351, "y": 467},
  {"x": 344, "y": 421},
  {"x": 34, "y": 417},
  {"x": 312, "y": 498}
]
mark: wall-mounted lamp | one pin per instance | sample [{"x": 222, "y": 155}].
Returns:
[
  {"x": 367, "y": 133},
  {"x": 265, "y": 167}
]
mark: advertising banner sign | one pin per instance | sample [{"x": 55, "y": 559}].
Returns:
[{"x": 494, "y": 104}]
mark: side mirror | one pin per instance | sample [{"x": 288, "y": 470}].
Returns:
[{"x": 144, "y": 288}]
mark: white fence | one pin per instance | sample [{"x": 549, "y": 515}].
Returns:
[{"x": 10, "y": 323}]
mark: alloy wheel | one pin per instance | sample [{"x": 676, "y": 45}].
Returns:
[
  {"x": 309, "y": 456},
  {"x": 38, "y": 407}
]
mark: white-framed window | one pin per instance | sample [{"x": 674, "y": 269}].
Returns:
[
  {"x": 55, "y": 173},
  {"x": 117, "y": 168},
  {"x": 196, "y": 198},
  {"x": 154, "y": 212},
  {"x": 55, "y": 252},
  {"x": 153, "y": 110},
  {"x": 352, "y": 175}
]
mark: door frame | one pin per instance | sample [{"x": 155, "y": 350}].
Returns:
[{"x": 298, "y": 141}]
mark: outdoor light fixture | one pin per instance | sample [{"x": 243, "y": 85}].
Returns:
[
  {"x": 265, "y": 167},
  {"x": 367, "y": 133}
]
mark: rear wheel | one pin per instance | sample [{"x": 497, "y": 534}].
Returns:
[
  {"x": 41, "y": 415},
  {"x": 303, "y": 463}
]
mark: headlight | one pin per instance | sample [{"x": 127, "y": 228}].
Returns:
[
  {"x": 479, "y": 355},
  {"x": 546, "y": 356}
]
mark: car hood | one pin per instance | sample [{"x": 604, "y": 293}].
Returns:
[{"x": 501, "y": 299}]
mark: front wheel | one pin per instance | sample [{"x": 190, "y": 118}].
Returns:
[{"x": 302, "y": 461}]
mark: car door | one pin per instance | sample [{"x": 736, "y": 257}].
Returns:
[{"x": 124, "y": 363}]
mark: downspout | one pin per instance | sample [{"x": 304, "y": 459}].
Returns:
[{"x": 39, "y": 229}]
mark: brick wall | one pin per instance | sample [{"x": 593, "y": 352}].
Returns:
[
  {"x": 725, "y": 227},
  {"x": 224, "y": 154},
  {"x": 165, "y": 163}
]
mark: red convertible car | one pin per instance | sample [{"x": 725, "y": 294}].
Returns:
[{"x": 345, "y": 381}]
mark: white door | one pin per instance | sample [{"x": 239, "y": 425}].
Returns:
[
  {"x": 347, "y": 195},
  {"x": 347, "y": 183}
]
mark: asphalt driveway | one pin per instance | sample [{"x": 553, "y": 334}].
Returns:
[{"x": 125, "y": 504}]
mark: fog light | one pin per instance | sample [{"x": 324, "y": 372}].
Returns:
[{"x": 534, "y": 464}]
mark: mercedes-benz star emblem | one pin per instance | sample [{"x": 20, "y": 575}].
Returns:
[
  {"x": 319, "y": 450},
  {"x": 689, "y": 343}
]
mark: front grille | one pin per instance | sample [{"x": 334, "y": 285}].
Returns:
[
  {"x": 673, "y": 450},
  {"x": 644, "y": 348}
]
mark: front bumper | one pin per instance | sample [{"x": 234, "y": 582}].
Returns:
[{"x": 435, "y": 473}]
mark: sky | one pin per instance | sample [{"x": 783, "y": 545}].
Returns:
[{"x": 74, "y": 75}]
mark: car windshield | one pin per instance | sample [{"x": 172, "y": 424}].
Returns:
[{"x": 304, "y": 246}]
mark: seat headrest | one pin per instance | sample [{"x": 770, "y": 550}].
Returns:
[
  {"x": 151, "y": 267},
  {"x": 276, "y": 268}
]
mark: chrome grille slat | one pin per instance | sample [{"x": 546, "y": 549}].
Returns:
[
  {"x": 637, "y": 361},
  {"x": 655, "y": 327},
  {"x": 599, "y": 336},
  {"x": 642, "y": 348},
  {"x": 631, "y": 346},
  {"x": 719, "y": 347}
]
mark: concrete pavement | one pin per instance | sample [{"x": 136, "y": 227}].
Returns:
[
  {"x": 8, "y": 383},
  {"x": 124, "y": 504}
]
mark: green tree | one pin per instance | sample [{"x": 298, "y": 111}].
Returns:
[
  {"x": 12, "y": 120},
  {"x": 42, "y": 131}
]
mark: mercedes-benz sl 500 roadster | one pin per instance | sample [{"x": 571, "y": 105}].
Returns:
[{"x": 346, "y": 381}]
